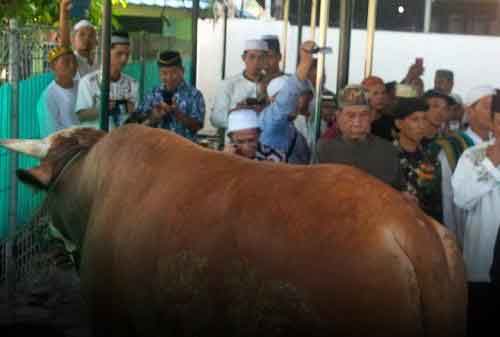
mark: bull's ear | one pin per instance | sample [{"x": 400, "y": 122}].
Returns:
[{"x": 38, "y": 177}]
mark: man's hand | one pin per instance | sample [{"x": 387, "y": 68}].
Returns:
[
  {"x": 306, "y": 59},
  {"x": 159, "y": 111},
  {"x": 414, "y": 72},
  {"x": 66, "y": 5},
  {"x": 493, "y": 152},
  {"x": 64, "y": 25},
  {"x": 111, "y": 104}
]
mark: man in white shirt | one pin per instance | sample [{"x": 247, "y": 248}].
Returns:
[
  {"x": 453, "y": 143},
  {"x": 123, "y": 91},
  {"x": 236, "y": 89},
  {"x": 478, "y": 107},
  {"x": 476, "y": 189},
  {"x": 56, "y": 106},
  {"x": 83, "y": 39}
]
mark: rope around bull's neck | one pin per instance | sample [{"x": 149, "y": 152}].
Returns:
[{"x": 63, "y": 171}]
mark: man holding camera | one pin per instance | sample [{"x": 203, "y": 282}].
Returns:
[
  {"x": 174, "y": 105},
  {"x": 123, "y": 89}
]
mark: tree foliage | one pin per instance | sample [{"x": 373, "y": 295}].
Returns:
[{"x": 46, "y": 12}]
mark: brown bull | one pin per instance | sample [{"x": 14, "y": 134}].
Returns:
[{"x": 177, "y": 240}]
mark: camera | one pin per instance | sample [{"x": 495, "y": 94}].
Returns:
[{"x": 251, "y": 101}]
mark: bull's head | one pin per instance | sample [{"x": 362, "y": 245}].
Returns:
[
  {"x": 60, "y": 156},
  {"x": 54, "y": 152}
]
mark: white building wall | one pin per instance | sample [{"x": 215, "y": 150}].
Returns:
[{"x": 474, "y": 59}]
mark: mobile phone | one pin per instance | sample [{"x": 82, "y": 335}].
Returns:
[
  {"x": 167, "y": 97},
  {"x": 324, "y": 50},
  {"x": 79, "y": 9}
]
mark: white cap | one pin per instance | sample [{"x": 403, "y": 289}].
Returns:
[
  {"x": 276, "y": 85},
  {"x": 242, "y": 119},
  {"x": 255, "y": 44},
  {"x": 475, "y": 94},
  {"x": 82, "y": 24}
]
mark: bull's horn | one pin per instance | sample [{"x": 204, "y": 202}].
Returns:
[
  {"x": 32, "y": 147},
  {"x": 37, "y": 147}
]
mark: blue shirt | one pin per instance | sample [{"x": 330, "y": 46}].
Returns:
[
  {"x": 189, "y": 101},
  {"x": 274, "y": 119}
]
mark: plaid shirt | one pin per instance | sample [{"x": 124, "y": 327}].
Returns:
[{"x": 189, "y": 101}]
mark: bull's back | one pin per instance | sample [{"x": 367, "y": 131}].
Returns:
[{"x": 323, "y": 249}]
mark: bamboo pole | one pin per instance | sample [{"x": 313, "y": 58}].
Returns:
[
  {"x": 195, "y": 14},
  {"x": 314, "y": 9},
  {"x": 300, "y": 17},
  {"x": 224, "y": 43},
  {"x": 370, "y": 36},
  {"x": 344, "y": 43},
  {"x": 286, "y": 14},
  {"x": 428, "y": 16},
  {"x": 323, "y": 30}
]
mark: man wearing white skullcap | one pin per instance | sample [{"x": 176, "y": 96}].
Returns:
[
  {"x": 123, "y": 89},
  {"x": 83, "y": 39},
  {"x": 478, "y": 107},
  {"x": 476, "y": 187},
  {"x": 244, "y": 131},
  {"x": 238, "y": 88}
]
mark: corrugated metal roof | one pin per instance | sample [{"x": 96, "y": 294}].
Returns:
[{"x": 169, "y": 3}]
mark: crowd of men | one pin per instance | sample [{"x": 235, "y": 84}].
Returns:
[{"x": 441, "y": 152}]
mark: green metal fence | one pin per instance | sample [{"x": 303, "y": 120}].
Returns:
[
  {"x": 5, "y": 108},
  {"x": 30, "y": 89}
]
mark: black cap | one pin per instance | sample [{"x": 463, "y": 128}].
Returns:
[
  {"x": 389, "y": 86},
  {"x": 273, "y": 43},
  {"x": 406, "y": 106},
  {"x": 436, "y": 93},
  {"x": 120, "y": 37},
  {"x": 444, "y": 73},
  {"x": 170, "y": 58}
]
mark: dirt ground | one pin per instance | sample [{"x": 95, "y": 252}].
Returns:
[{"x": 49, "y": 300}]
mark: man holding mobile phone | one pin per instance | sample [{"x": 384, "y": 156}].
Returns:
[
  {"x": 174, "y": 105},
  {"x": 244, "y": 132},
  {"x": 413, "y": 77}
]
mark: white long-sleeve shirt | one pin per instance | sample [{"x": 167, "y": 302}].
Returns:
[
  {"x": 476, "y": 189},
  {"x": 231, "y": 92},
  {"x": 453, "y": 216}
]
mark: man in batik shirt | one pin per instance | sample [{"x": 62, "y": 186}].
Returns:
[{"x": 174, "y": 105}]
